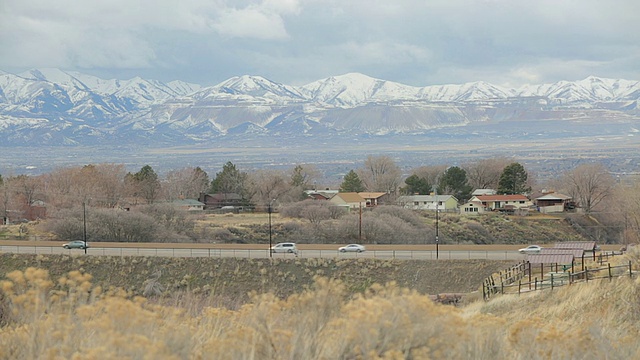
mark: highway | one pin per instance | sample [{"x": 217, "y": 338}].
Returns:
[{"x": 406, "y": 252}]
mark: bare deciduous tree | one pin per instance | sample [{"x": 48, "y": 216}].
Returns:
[
  {"x": 266, "y": 185},
  {"x": 485, "y": 174},
  {"x": 627, "y": 198},
  {"x": 430, "y": 173},
  {"x": 313, "y": 210},
  {"x": 380, "y": 174},
  {"x": 589, "y": 185},
  {"x": 102, "y": 183},
  {"x": 27, "y": 189},
  {"x": 185, "y": 183}
]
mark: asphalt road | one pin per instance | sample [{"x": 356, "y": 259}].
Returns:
[{"x": 424, "y": 252}]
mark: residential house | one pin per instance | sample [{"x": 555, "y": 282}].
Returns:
[
  {"x": 477, "y": 192},
  {"x": 503, "y": 202},
  {"x": 472, "y": 207},
  {"x": 374, "y": 198},
  {"x": 552, "y": 202},
  {"x": 317, "y": 196},
  {"x": 350, "y": 200},
  {"x": 428, "y": 202},
  {"x": 321, "y": 194},
  {"x": 189, "y": 204},
  {"x": 217, "y": 201}
]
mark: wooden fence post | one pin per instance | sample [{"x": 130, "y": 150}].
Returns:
[
  {"x": 609, "y": 265},
  {"x": 586, "y": 273},
  {"x": 630, "y": 272},
  {"x": 551, "y": 281}
]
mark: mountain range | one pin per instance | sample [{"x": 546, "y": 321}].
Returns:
[{"x": 56, "y": 107}]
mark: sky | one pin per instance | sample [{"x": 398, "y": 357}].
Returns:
[{"x": 414, "y": 42}]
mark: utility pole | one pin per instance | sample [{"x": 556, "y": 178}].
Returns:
[
  {"x": 269, "y": 210},
  {"x": 437, "y": 242},
  {"x": 360, "y": 225},
  {"x": 84, "y": 225}
]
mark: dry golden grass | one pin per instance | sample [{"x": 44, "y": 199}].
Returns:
[{"x": 69, "y": 318}]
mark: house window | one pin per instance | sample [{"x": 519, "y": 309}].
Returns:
[
  {"x": 416, "y": 203},
  {"x": 521, "y": 201}
]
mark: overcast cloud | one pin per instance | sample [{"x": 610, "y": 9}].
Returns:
[{"x": 415, "y": 42}]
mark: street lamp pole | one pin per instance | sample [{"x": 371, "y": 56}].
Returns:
[
  {"x": 437, "y": 216},
  {"x": 269, "y": 210},
  {"x": 84, "y": 225}
]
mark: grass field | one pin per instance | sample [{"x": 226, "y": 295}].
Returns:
[{"x": 70, "y": 316}]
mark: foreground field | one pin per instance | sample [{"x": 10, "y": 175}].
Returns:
[
  {"x": 229, "y": 280},
  {"x": 70, "y": 317}
]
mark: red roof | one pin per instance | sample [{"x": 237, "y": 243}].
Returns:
[
  {"x": 584, "y": 245},
  {"x": 550, "y": 258}
]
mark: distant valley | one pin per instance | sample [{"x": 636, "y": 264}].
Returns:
[{"x": 49, "y": 118}]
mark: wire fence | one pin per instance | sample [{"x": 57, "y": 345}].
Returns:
[
  {"x": 132, "y": 250},
  {"x": 525, "y": 277}
]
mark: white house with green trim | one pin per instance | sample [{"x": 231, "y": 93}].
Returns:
[{"x": 428, "y": 202}]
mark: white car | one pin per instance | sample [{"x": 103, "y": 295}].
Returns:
[
  {"x": 531, "y": 249},
  {"x": 352, "y": 248},
  {"x": 285, "y": 248}
]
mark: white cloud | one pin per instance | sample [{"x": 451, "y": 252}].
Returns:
[
  {"x": 251, "y": 23},
  {"x": 436, "y": 41}
]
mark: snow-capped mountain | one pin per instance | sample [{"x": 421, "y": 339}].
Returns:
[{"x": 55, "y": 107}]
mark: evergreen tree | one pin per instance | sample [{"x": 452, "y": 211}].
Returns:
[
  {"x": 229, "y": 180},
  {"x": 513, "y": 180},
  {"x": 417, "y": 185},
  {"x": 146, "y": 183},
  {"x": 454, "y": 182},
  {"x": 352, "y": 183},
  {"x": 298, "y": 178}
]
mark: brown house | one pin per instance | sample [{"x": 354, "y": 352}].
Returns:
[
  {"x": 349, "y": 200},
  {"x": 552, "y": 202},
  {"x": 373, "y": 198},
  {"x": 216, "y": 201}
]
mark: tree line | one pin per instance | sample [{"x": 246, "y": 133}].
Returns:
[{"x": 110, "y": 186}]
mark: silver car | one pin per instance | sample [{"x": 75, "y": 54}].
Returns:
[
  {"x": 76, "y": 244},
  {"x": 284, "y": 248},
  {"x": 531, "y": 249},
  {"x": 352, "y": 248}
]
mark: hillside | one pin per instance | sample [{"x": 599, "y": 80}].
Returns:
[
  {"x": 594, "y": 320},
  {"x": 452, "y": 228},
  {"x": 253, "y": 228},
  {"x": 230, "y": 280}
]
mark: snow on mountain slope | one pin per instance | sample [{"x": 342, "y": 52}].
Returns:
[
  {"x": 247, "y": 87},
  {"x": 355, "y": 89},
  {"x": 63, "y": 106}
]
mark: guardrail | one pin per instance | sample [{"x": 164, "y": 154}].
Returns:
[{"x": 263, "y": 253}]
